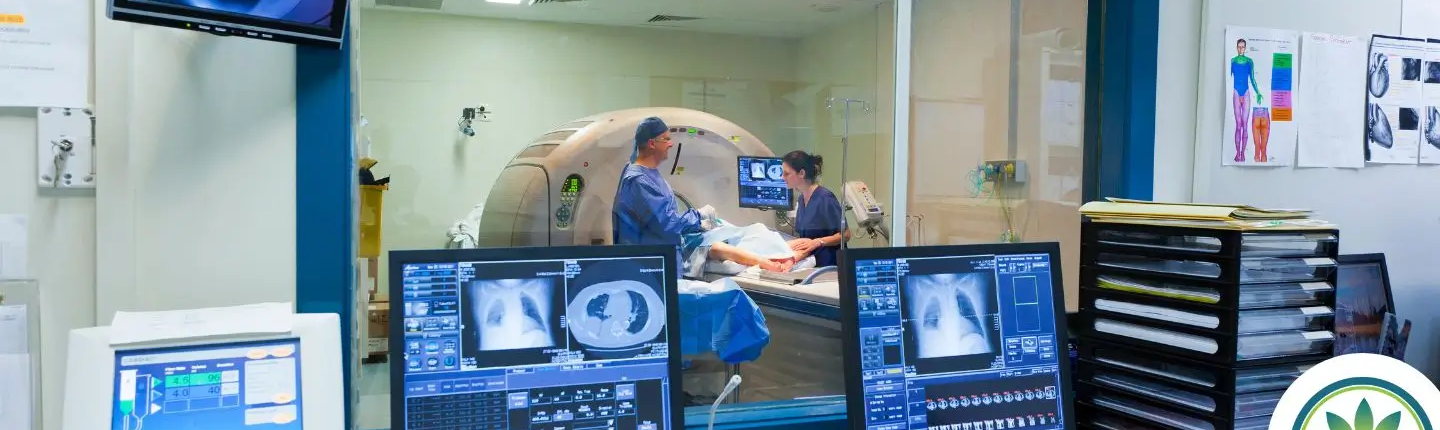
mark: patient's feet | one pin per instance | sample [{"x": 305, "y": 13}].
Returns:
[{"x": 781, "y": 265}]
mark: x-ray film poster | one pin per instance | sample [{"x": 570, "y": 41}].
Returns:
[
  {"x": 616, "y": 309},
  {"x": 1430, "y": 113},
  {"x": 511, "y": 314},
  {"x": 1395, "y": 100},
  {"x": 1261, "y": 66},
  {"x": 949, "y": 307}
]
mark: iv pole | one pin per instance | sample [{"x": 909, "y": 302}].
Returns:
[{"x": 845, "y": 156}]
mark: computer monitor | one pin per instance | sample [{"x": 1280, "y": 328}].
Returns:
[
  {"x": 582, "y": 338},
  {"x": 1362, "y": 297},
  {"x": 307, "y": 22},
  {"x": 948, "y": 337},
  {"x": 762, "y": 183},
  {"x": 290, "y": 381}
]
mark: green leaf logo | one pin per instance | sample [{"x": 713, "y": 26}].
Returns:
[{"x": 1364, "y": 420}]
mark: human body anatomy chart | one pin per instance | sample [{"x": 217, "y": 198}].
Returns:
[{"x": 1260, "y": 72}]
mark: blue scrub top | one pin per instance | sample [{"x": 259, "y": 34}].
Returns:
[
  {"x": 644, "y": 211},
  {"x": 820, "y": 217}
]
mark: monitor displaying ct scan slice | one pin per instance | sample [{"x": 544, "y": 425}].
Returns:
[
  {"x": 762, "y": 183},
  {"x": 545, "y": 338},
  {"x": 955, "y": 337},
  {"x": 278, "y": 382},
  {"x": 1362, "y": 298}
]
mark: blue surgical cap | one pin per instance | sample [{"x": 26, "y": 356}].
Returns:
[{"x": 650, "y": 128}]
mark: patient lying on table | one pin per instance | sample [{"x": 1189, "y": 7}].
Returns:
[{"x": 750, "y": 246}]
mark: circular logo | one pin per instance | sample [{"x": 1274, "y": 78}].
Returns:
[{"x": 1359, "y": 392}]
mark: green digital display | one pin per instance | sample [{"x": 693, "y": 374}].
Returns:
[
  {"x": 572, "y": 185},
  {"x": 191, "y": 380}
]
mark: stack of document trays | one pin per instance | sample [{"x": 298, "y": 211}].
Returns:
[{"x": 1196, "y": 317}]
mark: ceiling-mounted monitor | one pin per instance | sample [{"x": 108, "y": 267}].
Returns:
[{"x": 302, "y": 22}]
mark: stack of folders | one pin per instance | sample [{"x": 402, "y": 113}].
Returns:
[
  {"x": 1227, "y": 217},
  {"x": 1199, "y": 326}
]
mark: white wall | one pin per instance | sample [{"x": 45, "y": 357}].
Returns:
[
  {"x": 195, "y": 204},
  {"x": 420, "y": 70},
  {"x": 1388, "y": 209},
  {"x": 1177, "y": 57},
  {"x": 62, "y": 249}
]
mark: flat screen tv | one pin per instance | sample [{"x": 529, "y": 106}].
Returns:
[{"x": 302, "y": 22}]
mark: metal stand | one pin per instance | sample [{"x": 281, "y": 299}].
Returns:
[{"x": 845, "y": 157}]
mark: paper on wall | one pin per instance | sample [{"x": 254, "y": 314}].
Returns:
[
  {"x": 1259, "y": 123},
  {"x": 261, "y": 318},
  {"x": 45, "y": 53},
  {"x": 1420, "y": 18},
  {"x": 14, "y": 330},
  {"x": 1430, "y": 113},
  {"x": 1395, "y": 102},
  {"x": 1333, "y": 90},
  {"x": 16, "y": 391},
  {"x": 14, "y": 246},
  {"x": 15, "y": 383}
]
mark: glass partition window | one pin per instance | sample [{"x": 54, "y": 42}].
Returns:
[
  {"x": 564, "y": 84},
  {"x": 994, "y": 81}
]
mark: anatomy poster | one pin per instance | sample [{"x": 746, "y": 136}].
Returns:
[
  {"x": 1260, "y": 70},
  {"x": 1430, "y": 114},
  {"x": 1395, "y": 99}
]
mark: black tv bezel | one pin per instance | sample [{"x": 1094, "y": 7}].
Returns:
[
  {"x": 855, "y": 408},
  {"x": 740, "y": 186},
  {"x": 231, "y": 24},
  {"x": 398, "y": 259}
]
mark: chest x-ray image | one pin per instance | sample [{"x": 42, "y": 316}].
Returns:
[
  {"x": 950, "y": 319},
  {"x": 511, "y": 321},
  {"x": 616, "y": 319}
]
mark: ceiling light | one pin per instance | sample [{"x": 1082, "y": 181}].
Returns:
[{"x": 519, "y": 2}]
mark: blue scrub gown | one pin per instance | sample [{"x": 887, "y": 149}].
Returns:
[
  {"x": 644, "y": 212},
  {"x": 820, "y": 217}
]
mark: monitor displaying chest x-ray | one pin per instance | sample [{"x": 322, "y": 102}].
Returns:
[
  {"x": 283, "y": 381},
  {"x": 762, "y": 183},
  {"x": 558, "y": 338},
  {"x": 955, "y": 338}
]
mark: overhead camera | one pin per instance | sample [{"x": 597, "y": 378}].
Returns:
[{"x": 468, "y": 116}]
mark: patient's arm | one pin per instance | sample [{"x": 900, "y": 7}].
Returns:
[{"x": 727, "y": 252}]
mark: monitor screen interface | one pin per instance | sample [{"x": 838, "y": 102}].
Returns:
[
  {"x": 1360, "y": 307},
  {"x": 959, "y": 343},
  {"x": 304, "y": 12},
  {"x": 548, "y": 344},
  {"x": 762, "y": 183},
  {"x": 220, "y": 387}
]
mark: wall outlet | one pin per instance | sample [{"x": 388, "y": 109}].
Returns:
[{"x": 1005, "y": 171}]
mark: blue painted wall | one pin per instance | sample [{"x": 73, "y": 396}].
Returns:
[
  {"x": 325, "y": 193},
  {"x": 1120, "y": 99}
]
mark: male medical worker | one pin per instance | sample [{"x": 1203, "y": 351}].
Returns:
[
  {"x": 644, "y": 203},
  {"x": 645, "y": 208}
]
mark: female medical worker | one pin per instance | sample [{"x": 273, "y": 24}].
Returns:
[{"x": 818, "y": 212}]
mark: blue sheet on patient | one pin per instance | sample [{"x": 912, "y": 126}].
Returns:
[{"x": 726, "y": 322}]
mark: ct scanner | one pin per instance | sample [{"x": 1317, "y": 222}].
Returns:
[{"x": 559, "y": 190}]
